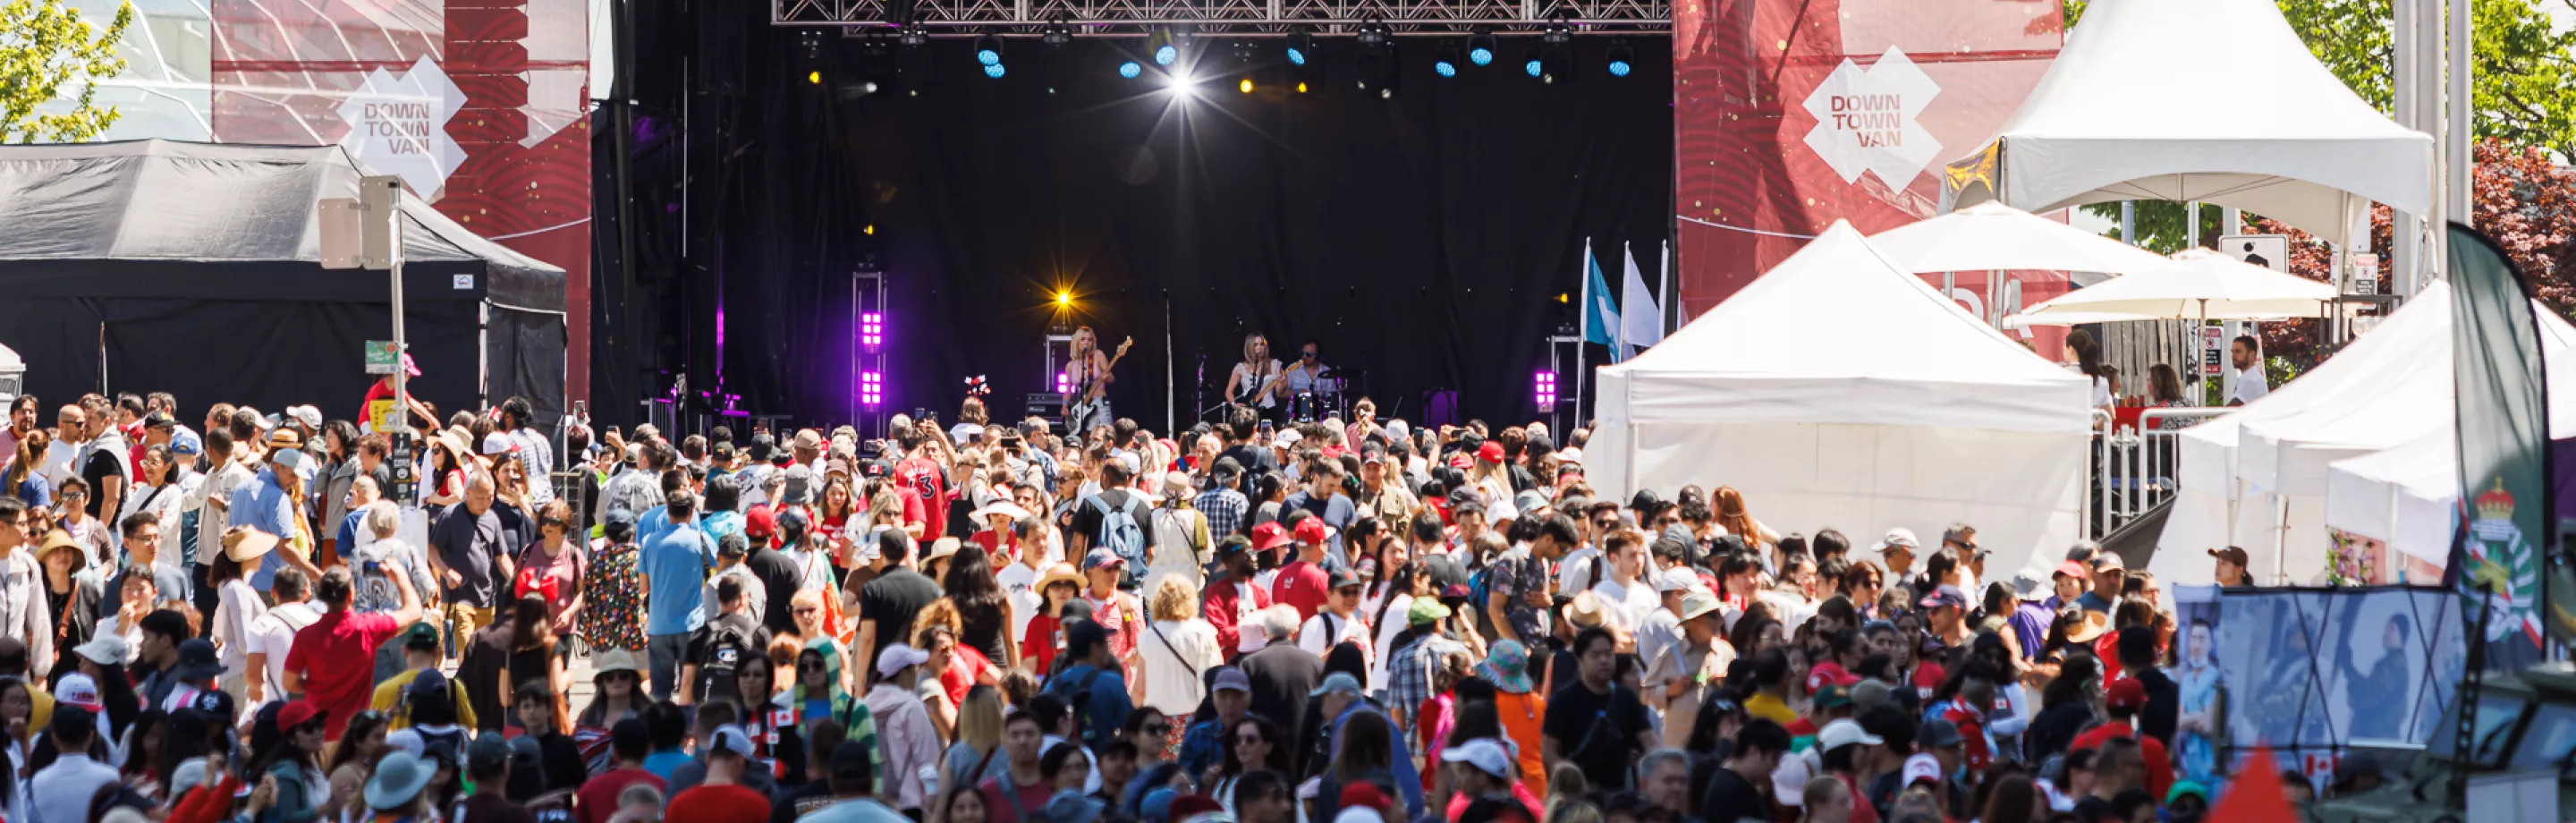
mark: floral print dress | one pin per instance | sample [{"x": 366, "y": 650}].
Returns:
[{"x": 613, "y": 598}]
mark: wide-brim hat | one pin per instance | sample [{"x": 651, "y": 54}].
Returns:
[
  {"x": 1507, "y": 667},
  {"x": 399, "y": 777},
  {"x": 616, "y": 660},
  {"x": 2091, "y": 628},
  {"x": 246, "y": 543},
  {"x": 58, "y": 540},
  {"x": 106, "y": 650},
  {"x": 941, "y": 549},
  {"x": 1001, "y": 507},
  {"x": 1061, "y": 573}
]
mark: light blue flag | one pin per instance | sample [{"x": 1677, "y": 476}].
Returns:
[{"x": 1600, "y": 315}]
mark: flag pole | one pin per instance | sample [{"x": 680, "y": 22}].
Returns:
[
  {"x": 1664, "y": 293},
  {"x": 1583, "y": 332},
  {"x": 1626, "y": 255}
]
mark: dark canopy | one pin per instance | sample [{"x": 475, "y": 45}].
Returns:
[{"x": 193, "y": 268}]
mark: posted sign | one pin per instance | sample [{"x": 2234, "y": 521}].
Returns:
[
  {"x": 382, "y": 358},
  {"x": 2213, "y": 350}
]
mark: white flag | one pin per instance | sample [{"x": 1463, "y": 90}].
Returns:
[{"x": 1641, "y": 319}]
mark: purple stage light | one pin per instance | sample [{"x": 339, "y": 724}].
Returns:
[
  {"x": 1064, "y": 382},
  {"x": 1546, "y": 385},
  {"x": 872, "y": 330},
  {"x": 871, "y": 389}
]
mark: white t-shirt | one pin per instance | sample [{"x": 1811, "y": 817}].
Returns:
[
  {"x": 273, "y": 634},
  {"x": 1627, "y": 605},
  {"x": 1574, "y": 570},
  {"x": 1388, "y": 627},
  {"x": 2250, "y": 385},
  {"x": 1315, "y": 638},
  {"x": 1169, "y": 682},
  {"x": 2101, "y": 392},
  {"x": 1020, "y": 583}
]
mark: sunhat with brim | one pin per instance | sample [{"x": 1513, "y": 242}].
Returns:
[
  {"x": 616, "y": 660},
  {"x": 58, "y": 540},
  {"x": 1001, "y": 507},
  {"x": 399, "y": 777},
  {"x": 1061, "y": 573},
  {"x": 106, "y": 650},
  {"x": 1507, "y": 667},
  {"x": 247, "y": 543},
  {"x": 2093, "y": 626}
]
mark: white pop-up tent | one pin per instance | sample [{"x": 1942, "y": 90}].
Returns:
[
  {"x": 2258, "y": 477},
  {"x": 1840, "y": 390},
  {"x": 2403, "y": 496},
  {"x": 2138, "y": 107}
]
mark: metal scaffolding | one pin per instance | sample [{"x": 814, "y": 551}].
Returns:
[{"x": 1121, "y": 18}]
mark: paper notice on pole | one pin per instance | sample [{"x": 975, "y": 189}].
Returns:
[
  {"x": 2213, "y": 350},
  {"x": 382, "y": 357}
]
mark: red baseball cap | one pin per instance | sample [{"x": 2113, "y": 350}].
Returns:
[
  {"x": 1269, "y": 536},
  {"x": 2075, "y": 570},
  {"x": 760, "y": 522},
  {"x": 1830, "y": 673},
  {"x": 296, "y": 714},
  {"x": 1313, "y": 530},
  {"x": 1491, "y": 452},
  {"x": 2126, "y": 693}
]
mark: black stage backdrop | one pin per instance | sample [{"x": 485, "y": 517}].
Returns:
[{"x": 1424, "y": 239}]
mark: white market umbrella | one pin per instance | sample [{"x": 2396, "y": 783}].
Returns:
[
  {"x": 2194, "y": 284},
  {"x": 1994, "y": 236}
]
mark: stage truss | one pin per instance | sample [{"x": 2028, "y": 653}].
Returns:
[{"x": 1096, "y": 18}]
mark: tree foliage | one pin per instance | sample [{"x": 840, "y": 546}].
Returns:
[{"x": 46, "y": 48}]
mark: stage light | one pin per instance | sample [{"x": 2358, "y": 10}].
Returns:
[
  {"x": 1244, "y": 86},
  {"x": 815, "y": 78},
  {"x": 1063, "y": 383},
  {"x": 1373, "y": 32},
  {"x": 1622, "y": 59},
  {"x": 1063, "y": 299},
  {"x": 988, "y": 50},
  {"x": 1301, "y": 87},
  {"x": 994, "y": 71},
  {"x": 1301, "y": 47},
  {"x": 1533, "y": 64},
  {"x": 1545, "y": 386},
  {"x": 1445, "y": 63},
  {"x": 1058, "y": 33},
  {"x": 912, "y": 35},
  {"x": 1305, "y": 61},
  {"x": 872, "y": 330},
  {"x": 1130, "y": 69},
  {"x": 870, "y": 231},
  {"x": 871, "y": 389},
  {"x": 1481, "y": 48},
  {"x": 1166, "y": 54}
]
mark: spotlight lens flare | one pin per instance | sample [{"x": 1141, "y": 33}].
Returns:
[
  {"x": 1619, "y": 68},
  {"x": 1129, "y": 70},
  {"x": 1480, "y": 56},
  {"x": 1164, "y": 55},
  {"x": 1063, "y": 299}
]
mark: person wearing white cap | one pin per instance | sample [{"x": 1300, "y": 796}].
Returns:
[
  {"x": 1898, "y": 548},
  {"x": 1481, "y": 769},
  {"x": 721, "y": 797},
  {"x": 62, "y": 791},
  {"x": 904, "y": 729},
  {"x": 1659, "y": 632}
]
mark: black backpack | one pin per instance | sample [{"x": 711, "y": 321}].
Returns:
[
  {"x": 727, "y": 646},
  {"x": 1077, "y": 695}
]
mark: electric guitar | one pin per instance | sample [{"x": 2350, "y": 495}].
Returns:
[{"x": 1079, "y": 406}]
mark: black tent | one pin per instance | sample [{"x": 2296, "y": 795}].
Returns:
[{"x": 193, "y": 268}]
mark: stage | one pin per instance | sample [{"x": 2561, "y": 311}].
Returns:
[{"x": 1428, "y": 240}]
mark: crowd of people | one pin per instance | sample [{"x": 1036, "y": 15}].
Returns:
[{"x": 997, "y": 622}]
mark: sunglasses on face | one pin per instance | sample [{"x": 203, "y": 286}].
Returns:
[
  {"x": 811, "y": 665},
  {"x": 808, "y": 609},
  {"x": 1158, "y": 728}
]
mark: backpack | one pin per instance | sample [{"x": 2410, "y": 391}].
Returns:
[
  {"x": 727, "y": 647},
  {"x": 1480, "y": 591},
  {"x": 1077, "y": 694},
  {"x": 1119, "y": 532}
]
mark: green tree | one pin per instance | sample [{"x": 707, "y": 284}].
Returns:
[{"x": 45, "y": 47}]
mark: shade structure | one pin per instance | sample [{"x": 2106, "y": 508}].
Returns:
[
  {"x": 2258, "y": 477},
  {"x": 2193, "y": 284},
  {"x": 1994, "y": 236},
  {"x": 1928, "y": 418},
  {"x": 2146, "y": 102},
  {"x": 194, "y": 268},
  {"x": 2405, "y": 496}
]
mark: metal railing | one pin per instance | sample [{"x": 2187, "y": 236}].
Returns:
[{"x": 2132, "y": 470}]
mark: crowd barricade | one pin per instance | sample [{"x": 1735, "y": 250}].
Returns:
[{"x": 2133, "y": 469}]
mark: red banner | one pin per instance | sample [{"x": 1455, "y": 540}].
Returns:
[{"x": 1791, "y": 114}]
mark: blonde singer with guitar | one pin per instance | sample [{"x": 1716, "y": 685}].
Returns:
[{"x": 1089, "y": 404}]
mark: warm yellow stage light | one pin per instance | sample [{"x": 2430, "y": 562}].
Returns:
[
  {"x": 1064, "y": 299},
  {"x": 1245, "y": 86},
  {"x": 815, "y": 78}
]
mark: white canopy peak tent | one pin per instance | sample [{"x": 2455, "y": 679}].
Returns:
[
  {"x": 2193, "y": 284},
  {"x": 1993, "y": 236},
  {"x": 2138, "y": 106}
]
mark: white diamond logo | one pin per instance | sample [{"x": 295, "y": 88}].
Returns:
[
  {"x": 1865, "y": 120},
  {"x": 398, "y": 126}
]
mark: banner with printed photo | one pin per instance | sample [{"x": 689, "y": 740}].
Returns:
[
  {"x": 2320, "y": 670},
  {"x": 1791, "y": 114}
]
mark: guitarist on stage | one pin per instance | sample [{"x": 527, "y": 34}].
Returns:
[
  {"x": 1089, "y": 405},
  {"x": 1255, "y": 381}
]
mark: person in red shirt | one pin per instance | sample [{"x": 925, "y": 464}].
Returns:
[
  {"x": 1232, "y": 598},
  {"x": 2125, "y": 698},
  {"x": 925, "y": 476},
  {"x": 722, "y": 798},
  {"x": 629, "y": 741},
  {"x": 1304, "y": 583},
  {"x": 333, "y": 661}
]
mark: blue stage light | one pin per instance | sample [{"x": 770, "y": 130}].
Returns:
[
  {"x": 1444, "y": 68},
  {"x": 1532, "y": 67},
  {"x": 1296, "y": 56},
  {"x": 988, "y": 57},
  {"x": 1618, "y": 68},
  {"x": 1480, "y": 56},
  {"x": 993, "y": 71},
  {"x": 1165, "y": 54},
  {"x": 1129, "y": 69}
]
